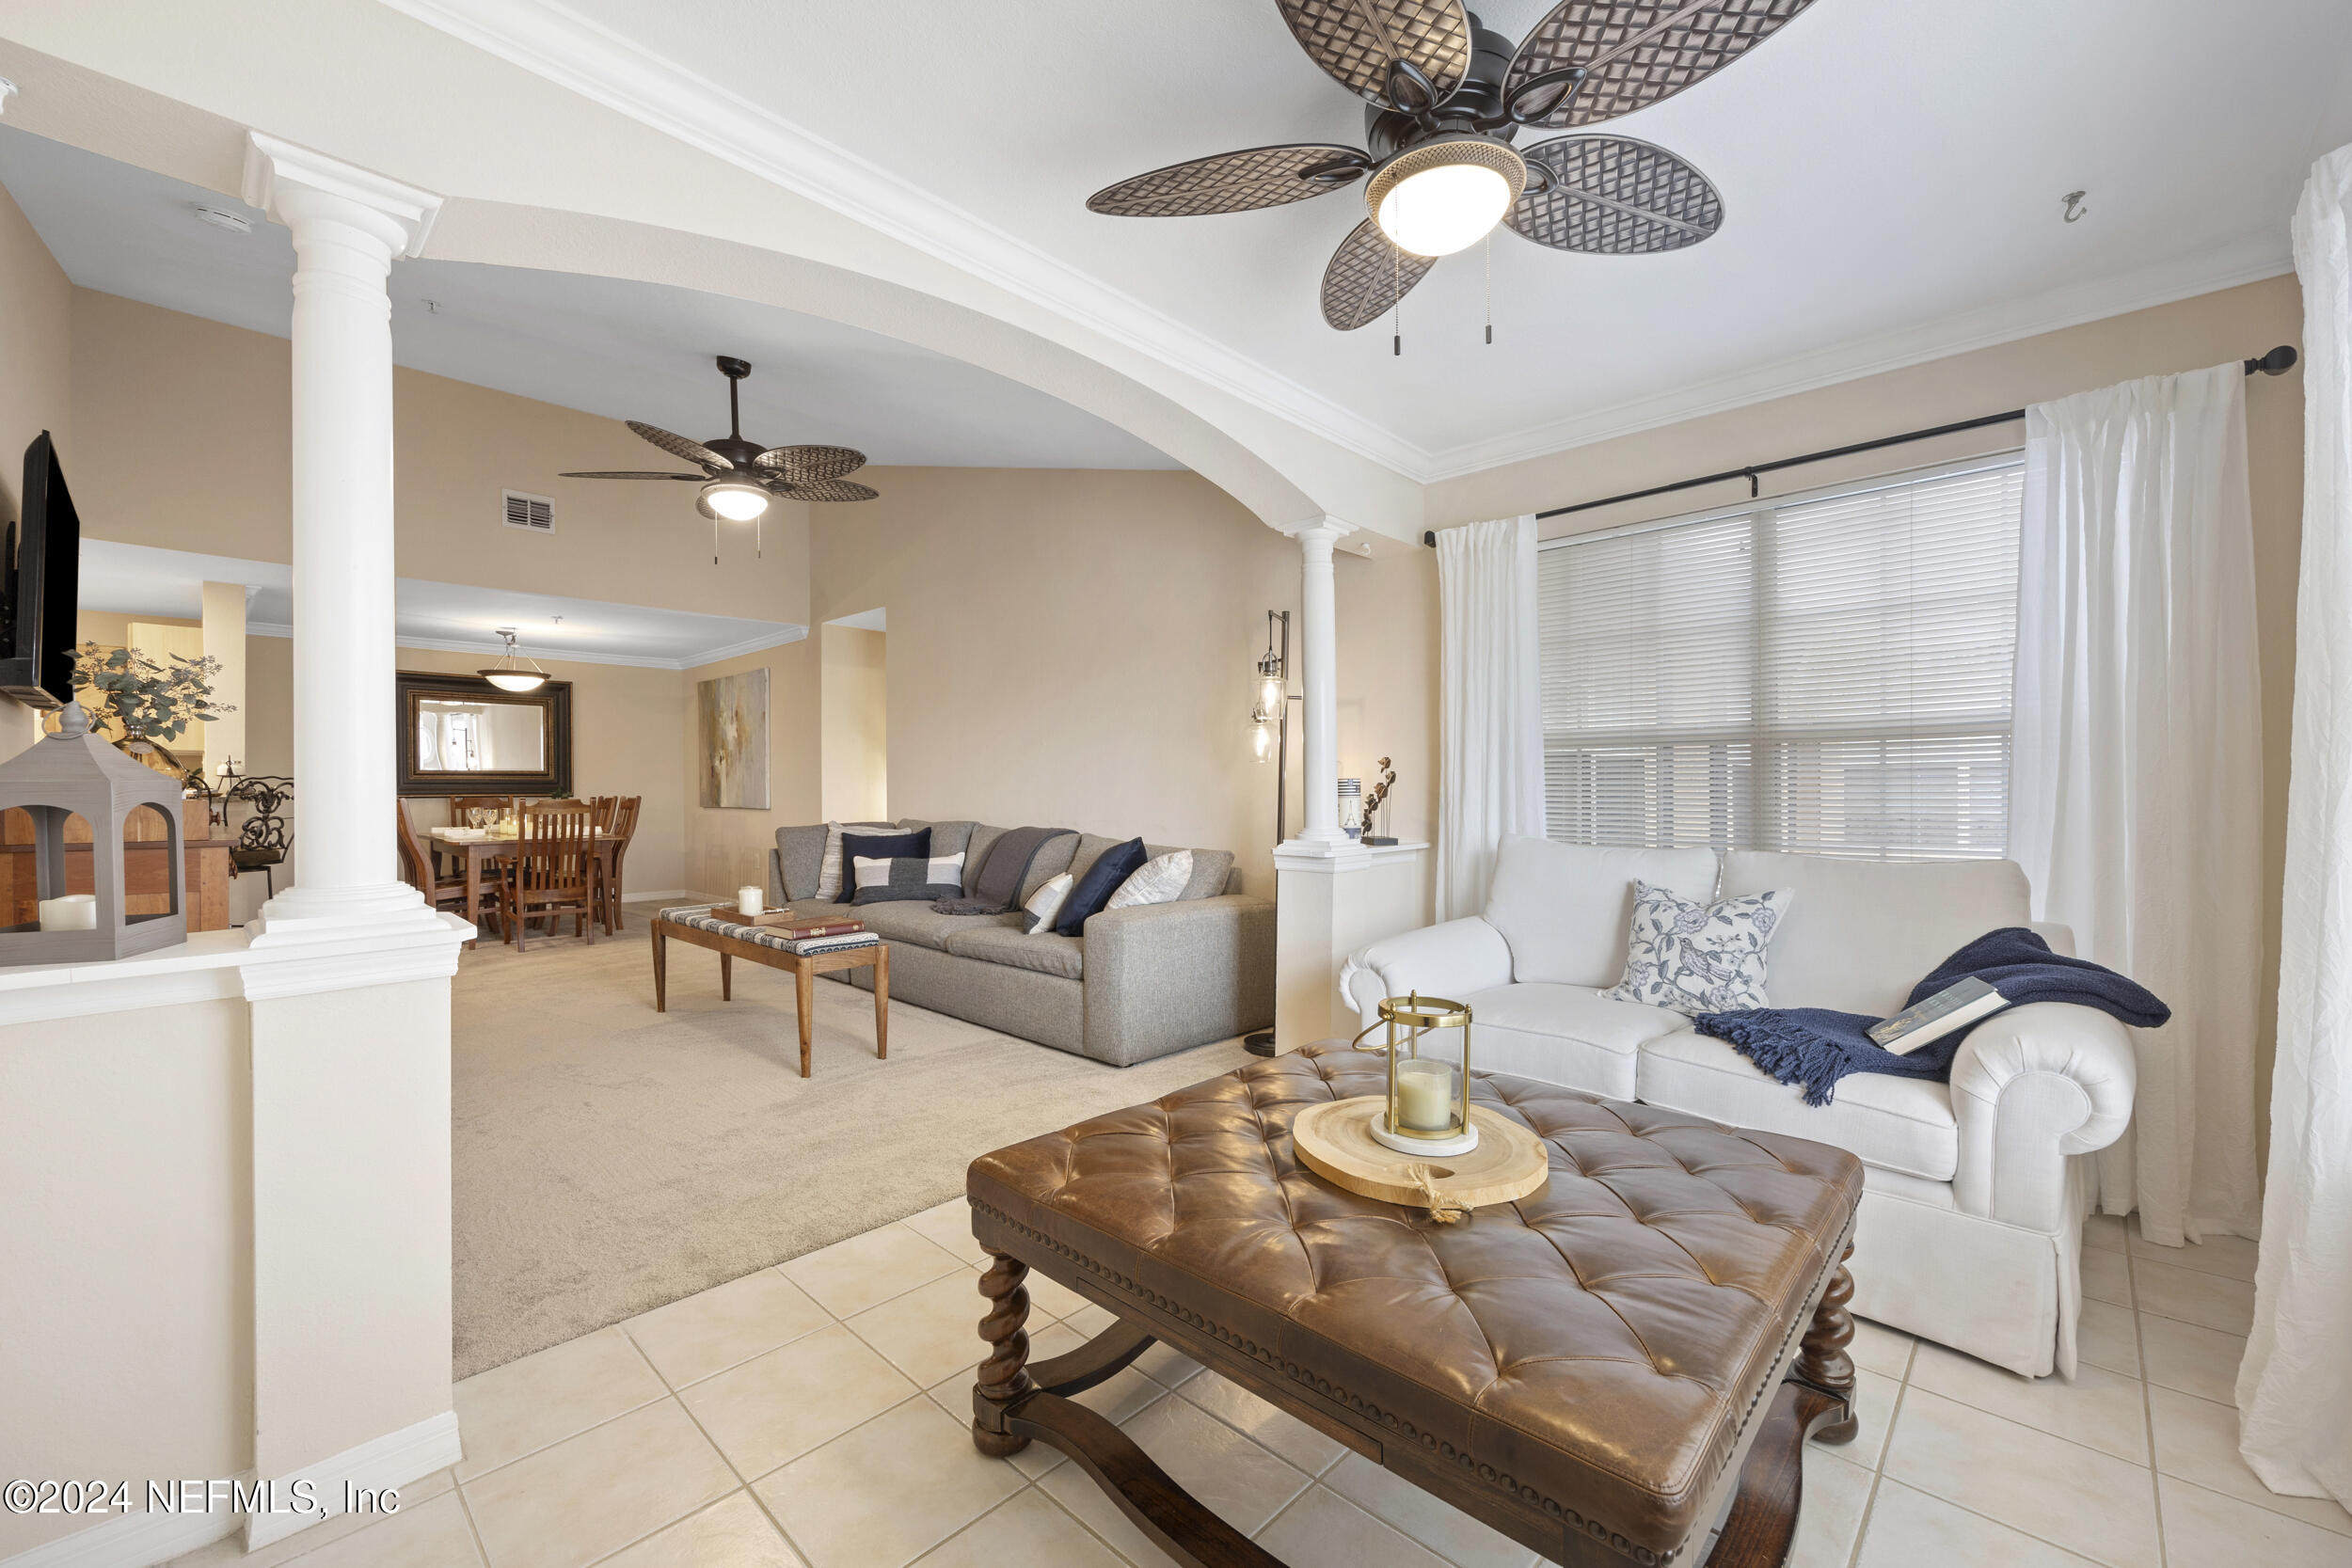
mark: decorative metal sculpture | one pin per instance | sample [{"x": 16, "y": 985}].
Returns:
[{"x": 1374, "y": 798}]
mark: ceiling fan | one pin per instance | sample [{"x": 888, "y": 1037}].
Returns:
[
  {"x": 740, "y": 477},
  {"x": 1446, "y": 98}
]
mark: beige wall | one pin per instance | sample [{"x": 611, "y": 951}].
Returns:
[
  {"x": 726, "y": 846},
  {"x": 34, "y": 370},
  {"x": 854, "y": 716},
  {"x": 209, "y": 469},
  {"x": 2232, "y": 323},
  {"x": 1075, "y": 648},
  {"x": 627, "y": 726}
]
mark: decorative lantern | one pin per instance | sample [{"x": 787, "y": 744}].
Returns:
[
  {"x": 74, "y": 773},
  {"x": 1428, "y": 1112}
]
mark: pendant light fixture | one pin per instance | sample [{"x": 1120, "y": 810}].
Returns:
[{"x": 507, "y": 675}]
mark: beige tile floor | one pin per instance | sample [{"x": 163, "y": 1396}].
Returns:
[{"x": 814, "y": 1415}]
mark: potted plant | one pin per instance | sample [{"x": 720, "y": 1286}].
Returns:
[{"x": 146, "y": 704}]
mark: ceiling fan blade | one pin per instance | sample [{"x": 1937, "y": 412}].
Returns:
[
  {"x": 678, "y": 446},
  {"x": 1634, "y": 53},
  {"x": 804, "y": 464},
  {"x": 1366, "y": 275},
  {"x": 1354, "y": 41},
  {"x": 1612, "y": 196},
  {"x": 833, "y": 490},
  {"x": 1232, "y": 182},
  {"x": 634, "y": 474}
]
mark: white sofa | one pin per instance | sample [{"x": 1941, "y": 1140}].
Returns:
[{"x": 1971, "y": 1224}]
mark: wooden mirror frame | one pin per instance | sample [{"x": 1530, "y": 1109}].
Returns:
[{"x": 555, "y": 698}]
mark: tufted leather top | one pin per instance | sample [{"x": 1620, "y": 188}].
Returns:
[{"x": 1596, "y": 1349}]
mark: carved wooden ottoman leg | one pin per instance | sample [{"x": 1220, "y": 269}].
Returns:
[
  {"x": 1004, "y": 1375},
  {"x": 1822, "y": 1360}
]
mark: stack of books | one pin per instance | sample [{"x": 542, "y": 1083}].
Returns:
[{"x": 825, "y": 934}]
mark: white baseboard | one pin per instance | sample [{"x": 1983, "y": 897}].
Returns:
[
  {"x": 132, "y": 1540},
  {"x": 392, "y": 1460},
  {"x": 669, "y": 894}
]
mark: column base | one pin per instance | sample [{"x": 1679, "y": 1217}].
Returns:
[{"x": 388, "y": 910}]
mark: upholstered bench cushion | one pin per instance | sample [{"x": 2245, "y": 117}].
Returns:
[
  {"x": 700, "y": 917},
  {"x": 1597, "y": 1347}
]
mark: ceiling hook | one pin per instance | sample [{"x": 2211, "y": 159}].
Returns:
[{"x": 2074, "y": 208}]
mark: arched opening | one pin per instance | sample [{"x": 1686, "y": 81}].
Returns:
[{"x": 150, "y": 850}]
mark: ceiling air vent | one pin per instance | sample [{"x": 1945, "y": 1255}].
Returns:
[{"x": 532, "y": 514}]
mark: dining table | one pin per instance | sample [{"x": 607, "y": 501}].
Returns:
[{"x": 478, "y": 849}]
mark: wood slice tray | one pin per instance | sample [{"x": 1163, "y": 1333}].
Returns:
[{"x": 1335, "y": 1142}]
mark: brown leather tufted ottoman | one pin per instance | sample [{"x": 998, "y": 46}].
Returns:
[{"x": 1624, "y": 1366}]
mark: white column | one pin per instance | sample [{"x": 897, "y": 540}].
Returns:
[
  {"x": 348, "y": 225},
  {"x": 1318, "y": 613}
]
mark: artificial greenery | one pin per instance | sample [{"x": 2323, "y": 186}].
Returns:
[{"x": 144, "y": 700}]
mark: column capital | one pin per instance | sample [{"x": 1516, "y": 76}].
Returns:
[
  {"x": 289, "y": 183},
  {"x": 1326, "y": 528}
]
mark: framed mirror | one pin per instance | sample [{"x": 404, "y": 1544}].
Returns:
[{"x": 459, "y": 734}]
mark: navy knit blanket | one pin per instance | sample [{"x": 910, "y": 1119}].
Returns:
[{"x": 1816, "y": 1047}]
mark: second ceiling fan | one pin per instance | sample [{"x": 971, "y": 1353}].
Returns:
[
  {"x": 1446, "y": 98},
  {"x": 739, "y": 478}
]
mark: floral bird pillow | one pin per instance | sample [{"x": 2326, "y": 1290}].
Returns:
[{"x": 1698, "y": 957}]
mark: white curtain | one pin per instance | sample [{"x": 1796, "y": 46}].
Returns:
[
  {"x": 2294, "y": 1386},
  {"x": 2135, "y": 801},
  {"x": 1490, "y": 705}
]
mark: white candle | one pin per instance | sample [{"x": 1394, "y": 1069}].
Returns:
[
  {"x": 748, "y": 900},
  {"x": 1424, "y": 1096},
  {"x": 76, "y": 912}
]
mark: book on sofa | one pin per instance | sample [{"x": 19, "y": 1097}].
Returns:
[{"x": 1932, "y": 1018}]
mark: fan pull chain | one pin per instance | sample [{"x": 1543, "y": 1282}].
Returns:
[
  {"x": 1396, "y": 302},
  {"x": 759, "y": 537},
  {"x": 1490, "y": 287},
  {"x": 714, "y": 541}
]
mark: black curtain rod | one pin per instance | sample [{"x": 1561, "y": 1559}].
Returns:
[{"x": 2276, "y": 362}]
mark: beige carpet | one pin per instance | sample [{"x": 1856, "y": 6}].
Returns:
[{"x": 609, "y": 1159}]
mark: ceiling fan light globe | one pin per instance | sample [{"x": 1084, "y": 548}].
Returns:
[
  {"x": 1446, "y": 195},
  {"x": 738, "y": 500},
  {"x": 515, "y": 680},
  {"x": 1445, "y": 210}
]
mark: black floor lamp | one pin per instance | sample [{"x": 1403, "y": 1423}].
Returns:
[{"x": 1270, "y": 720}]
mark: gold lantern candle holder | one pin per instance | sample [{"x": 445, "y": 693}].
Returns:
[{"x": 1428, "y": 1108}]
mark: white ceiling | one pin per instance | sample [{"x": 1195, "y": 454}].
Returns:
[
  {"x": 1891, "y": 175},
  {"x": 624, "y": 350},
  {"x": 139, "y": 580}
]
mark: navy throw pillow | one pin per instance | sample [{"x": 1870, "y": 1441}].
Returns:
[
  {"x": 1112, "y": 867},
  {"x": 882, "y": 846}
]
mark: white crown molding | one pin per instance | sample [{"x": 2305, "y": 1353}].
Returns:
[
  {"x": 2250, "y": 260},
  {"x": 573, "y": 656},
  {"x": 578, "y": 53}
]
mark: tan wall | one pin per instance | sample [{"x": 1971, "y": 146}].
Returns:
[
  {"x": 208, "y": 471},
  {"x": 629, "y": 725},
  {"x": 1076, "y": 648},
  {"x": 854, "y": 718},
  {"x": 2232, "y": 323},
  {"x": 726, "y": 846},
  {"x": 35, "y": 389}
]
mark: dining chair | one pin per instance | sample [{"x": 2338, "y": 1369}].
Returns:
[
  {"x": 443, "y": 892},
  {"x": 552, "y": 872},
  {"x": 609, "y": 884},
  {"x": 600, "y": 810},
  {"x": 264, "y": 841},
  {"x": 460, "y": 804}
]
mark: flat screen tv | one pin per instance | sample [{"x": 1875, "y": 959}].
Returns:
[{"x": 41, "y": 585}]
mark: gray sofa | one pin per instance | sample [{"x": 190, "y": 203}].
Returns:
[{"x": 1141, "y": 982}]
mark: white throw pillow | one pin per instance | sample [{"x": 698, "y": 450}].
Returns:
[
  {"x": 1159, "y": 881},
  {"x": 1697, "y": 957},
  {"x": 1045, "y": 903},
  {"x": 829, "y": 881}
]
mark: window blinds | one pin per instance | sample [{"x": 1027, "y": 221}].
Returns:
[{"x": 1827, "y": 673}]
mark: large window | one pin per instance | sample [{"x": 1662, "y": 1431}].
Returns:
[{"x": 1826, "y": 673}]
